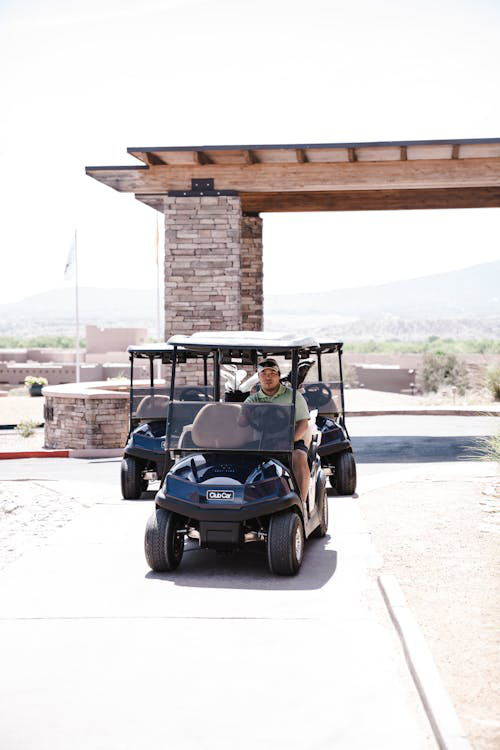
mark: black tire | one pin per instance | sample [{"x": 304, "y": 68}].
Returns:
[
  {"x": 133, "y": 485},
  {"x": 162, "y": 545},
  {"x": 285, "y": 543},
  {"x": 345, "y": 474},
  {"x": 322, "y": 503}
]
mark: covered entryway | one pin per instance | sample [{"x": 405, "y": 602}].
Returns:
[{"x": 212, "y": 198}]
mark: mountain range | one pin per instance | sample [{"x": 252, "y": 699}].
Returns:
[{"x": 468, "y": 299}]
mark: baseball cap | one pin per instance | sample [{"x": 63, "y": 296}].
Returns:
[{"x": 268, "y": 364}]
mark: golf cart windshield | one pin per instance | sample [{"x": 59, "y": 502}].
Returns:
[
  {"x": 230, "y": 427},
  {"x": 236, "y": 425}
]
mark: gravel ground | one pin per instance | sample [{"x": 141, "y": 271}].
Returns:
[
  {"x": 30, "y": 512},
  {"x": 13, "y": 409},
  {"x": 11, "y": 440},
  {"x": 439, "y": 534}
]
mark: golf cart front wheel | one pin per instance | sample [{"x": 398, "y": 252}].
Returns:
[
  {"x": 163, "y": 545},
  {"x": 133, "y": 485},
  {"x": 345, "y": 474},
  {"x": 285, "y": 543}
]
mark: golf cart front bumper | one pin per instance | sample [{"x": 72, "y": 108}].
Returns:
[{"x": 191, "y": 501}]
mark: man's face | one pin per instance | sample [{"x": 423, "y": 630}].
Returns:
[{"x": 269, "y": 381}]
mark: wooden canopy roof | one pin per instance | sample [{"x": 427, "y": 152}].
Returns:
[{"x": 320, "y": 176}]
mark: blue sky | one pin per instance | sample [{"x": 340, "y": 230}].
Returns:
[{"x": 82, "y": 81}]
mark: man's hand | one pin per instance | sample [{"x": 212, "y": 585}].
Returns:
[{"x": 242, "y": 420}]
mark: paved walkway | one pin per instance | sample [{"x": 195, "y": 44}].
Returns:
[{"x": 98, "y": 652}]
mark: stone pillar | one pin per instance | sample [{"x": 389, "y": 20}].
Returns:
[
  {"x": 213, "y": 265},
  {"x": 252, "y": 298}
]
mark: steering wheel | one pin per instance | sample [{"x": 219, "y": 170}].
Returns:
[
  {"x": 255, "y": 417},
  {"x": 195, "y": 394},
  {"x": 317, "y": 394}
]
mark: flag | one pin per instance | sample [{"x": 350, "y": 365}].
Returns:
[{"x": 69, "y": 270}]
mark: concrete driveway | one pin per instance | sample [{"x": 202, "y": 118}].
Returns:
[{"x": 99, "y": 652}]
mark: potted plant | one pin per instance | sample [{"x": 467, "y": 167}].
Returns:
[{"x": 35, "y": 385}]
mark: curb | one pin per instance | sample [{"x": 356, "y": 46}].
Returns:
[
  {"x": 424, "y": 413},
  {"x": 96, "y": 452},
  {"x": 433, "y": 694},
  {"x": 35, "y": 454},
  {"x": 69, "y": 453}
]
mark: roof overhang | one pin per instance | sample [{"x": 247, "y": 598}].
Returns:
[{"x": 321, "y": 177}]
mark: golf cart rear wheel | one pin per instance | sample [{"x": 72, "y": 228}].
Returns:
[
  {"x": 345, "y": 474},
  {"x": 131, "y": 476},
  {"x": 322, "y": 503},
  {"x": 285, "y": 543},
  {"x": 163, "y": 546}
]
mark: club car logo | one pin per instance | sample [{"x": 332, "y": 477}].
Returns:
[{"x": 220, "y": 494}]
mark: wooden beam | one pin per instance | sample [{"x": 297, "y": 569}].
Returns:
[
  {"x": 301, "y": 155},
  {"x": 153, "y": 160},
  {"x": 371, "y": 200},
  {"x": 403, "y": 154},
  {"x": 351, "y": 154},
  {"x": 294, "y": 177},
  {"x": 200, "y": 157},
  {"x": 250, "y": 157},
  {"x": 455, "y": 151}
]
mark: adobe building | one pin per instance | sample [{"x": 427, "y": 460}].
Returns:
[{"x": 212, "y": 198}]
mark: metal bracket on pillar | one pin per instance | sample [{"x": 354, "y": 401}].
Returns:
[{"x": 200, "y": 188}]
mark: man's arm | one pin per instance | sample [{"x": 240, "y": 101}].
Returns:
[{"x": 300, "y": 429}]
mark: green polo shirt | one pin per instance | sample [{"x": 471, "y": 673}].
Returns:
[{"x": 283, "y": 395}]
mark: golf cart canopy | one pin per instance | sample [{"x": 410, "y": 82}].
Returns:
[
  {"x": 239, "y": 341},
  {"x": 163, "y": 352},
  {"x": 157, "y": 351}
]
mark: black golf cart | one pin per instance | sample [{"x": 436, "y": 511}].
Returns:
[
  {"x": 145, "y": 458},
  {"x": 326, "y": 395},
  {"x": 232, "y": 480}
]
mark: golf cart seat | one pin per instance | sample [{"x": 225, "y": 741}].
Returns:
[
  {"x": 152, "y": 407},
  {"x": 215, "y": 426}
]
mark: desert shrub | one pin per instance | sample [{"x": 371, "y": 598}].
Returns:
[
  {"x": 441, "y": 370},
  {"x": 26, "y": 427},
  {"x": 488, "y": 448},
  {"x": 493, "y": 382}
]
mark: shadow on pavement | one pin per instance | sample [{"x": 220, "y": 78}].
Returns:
[
  {"x": 247, "y": 568},
  {"x": 414, "y": 448}
]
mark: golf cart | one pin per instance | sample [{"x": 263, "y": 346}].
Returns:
[
  {"x": 145, "y": 458},
  {"x": 231, "y": 481},
  {"x": 320, "y": 380},
  {"x": 326, "y": 395}
]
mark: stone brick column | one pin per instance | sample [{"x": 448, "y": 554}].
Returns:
[
  {"x": 213, "y": 265},
  {"x": 252, "y": 298}
]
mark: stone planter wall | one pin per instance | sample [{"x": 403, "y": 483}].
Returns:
[{"x": 85, "y": 420}]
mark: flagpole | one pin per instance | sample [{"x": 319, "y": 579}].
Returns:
[
  {"x": 77, "y": 339},
  {"x": 158, "y": 331}
]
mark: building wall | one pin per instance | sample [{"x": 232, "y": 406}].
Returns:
[{"x": 105, "y": 340}]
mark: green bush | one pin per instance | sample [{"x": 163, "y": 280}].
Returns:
[
  {"x": 493, "y": 382},
  {"x": 39, "y": 342},
  {"x": 433, "y": 344},
  {"x": 441, "y": 370},
  {"x": 26, "y": 427}
]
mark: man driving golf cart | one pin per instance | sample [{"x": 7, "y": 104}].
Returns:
[
  {"x": 273, "y": 391},
  {"x": 233, "y": 477}
]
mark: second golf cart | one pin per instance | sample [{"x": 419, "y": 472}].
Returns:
[
  {"x": 145, "y": 458},
  {"x": 232, "y": 481}
]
